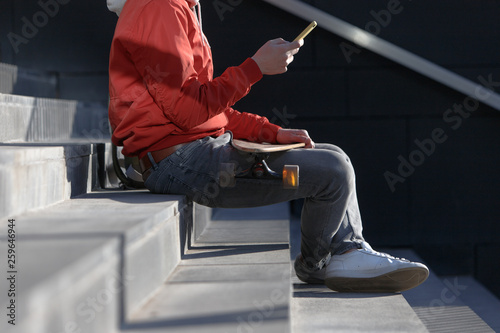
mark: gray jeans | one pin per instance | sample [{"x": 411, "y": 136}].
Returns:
[{"x": 330, "y": 221}]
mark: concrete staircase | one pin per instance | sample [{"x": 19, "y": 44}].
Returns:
[
  {"x": 234, "y": 278},
  {"x": 90, "y": 257},
  {"x": 449, "y": 304}
]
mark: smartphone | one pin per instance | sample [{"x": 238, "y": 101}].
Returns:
[{"x": 306, "y": 31}]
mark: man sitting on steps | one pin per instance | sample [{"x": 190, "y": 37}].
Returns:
[{"x": 167, "y": 109}]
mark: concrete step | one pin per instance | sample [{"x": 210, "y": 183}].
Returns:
[
  {"x": 318, "y": 309},
  {"x": 86, "y": 264},
  {"x": 50, "y": 149},
  {"x": 315, "y": 308},
  {"x": 262, "y": 225},
  {"x": 33, "y": 119},
  {"x": 34, "y": 176},
  {"x": 227, "y": 284},
  {"x": 452, "y": 304},
  {"x": 20, "y": 81},
  {"x": 230, "y": 289},
  {"x": 480, "y": 300}
]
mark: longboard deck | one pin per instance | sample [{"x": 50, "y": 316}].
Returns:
[{"x": 255, "y": 147}]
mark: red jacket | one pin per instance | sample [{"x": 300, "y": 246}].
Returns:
[{"x": 162, "y": 90}]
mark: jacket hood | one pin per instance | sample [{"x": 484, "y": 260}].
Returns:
[
  {"x": 193, "y": 3},
  {"x": 115, "y": 6}
]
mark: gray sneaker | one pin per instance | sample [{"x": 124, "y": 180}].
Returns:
[{"x": 366, "y": 270}]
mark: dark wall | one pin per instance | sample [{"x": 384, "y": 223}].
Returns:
[
  {"x": 68, "y": 38},
  {"x": 446, "y": 205}
]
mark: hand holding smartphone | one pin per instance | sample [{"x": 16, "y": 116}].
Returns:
[{"x": 269, "y": 57}]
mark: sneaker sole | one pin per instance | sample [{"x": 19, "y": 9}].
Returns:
[
  {"x": 311, "y": 280},
  {"x": 395, "y": 281}
]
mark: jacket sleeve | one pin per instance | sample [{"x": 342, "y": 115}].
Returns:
[
  {"x": 251, "y": 127},
  {"x": 160, "y": 46}
]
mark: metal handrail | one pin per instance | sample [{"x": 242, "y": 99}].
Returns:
[{"x": 390, "y": 51}]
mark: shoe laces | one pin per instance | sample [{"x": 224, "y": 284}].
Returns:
[{"x": 368, "y": 248}]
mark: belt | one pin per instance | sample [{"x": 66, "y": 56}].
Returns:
[{"x": 158, "y": 155}]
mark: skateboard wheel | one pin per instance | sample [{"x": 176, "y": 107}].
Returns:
[
  {"x": 227, "y": 175},
  {"x": 291, "y": 176}
]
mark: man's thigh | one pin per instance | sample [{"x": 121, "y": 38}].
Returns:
[{"x": 317, "y": 167}]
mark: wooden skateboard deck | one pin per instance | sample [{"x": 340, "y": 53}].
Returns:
[{"x": 255, "y": 147}]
